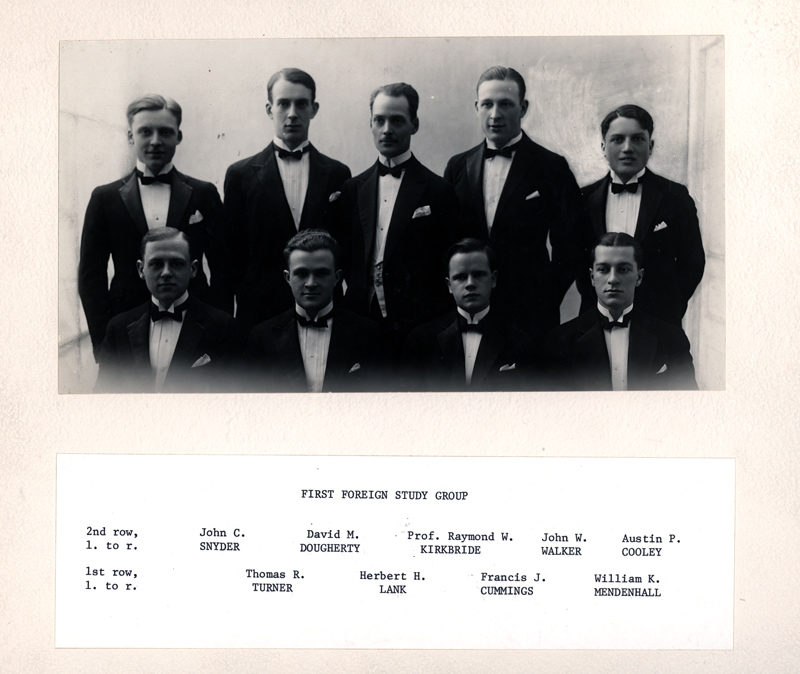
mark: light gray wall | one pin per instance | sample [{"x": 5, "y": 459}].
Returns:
[{"x": 221, "y": 85}]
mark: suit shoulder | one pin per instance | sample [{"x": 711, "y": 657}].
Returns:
[
  {"x": 128, "y": 317},
  {"x": 197, "y": 184},
  {"x": 244, "y": 164},
  {"x": 668, "y": 186},
  {"x": 662, "y": 329},
  {"x": 461, "y": 157},
  {"x": 361, "y": 323},
  {"x": 335, "y": 164},
  {"x": 111, "y": 188},
  {"x": 586, "y": 190},
  {"x": 212, "y": 314}
]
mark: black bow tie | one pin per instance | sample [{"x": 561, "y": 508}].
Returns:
[
  {"x": 288, "y": 154},
  {"x": 607, "y": 323},
  {"x": 394, "y": 171},
  {"x": 616, "y": 188},
  {"x": 319, "y": 322},
  {"x": 156, "y": 314},
  {"x": 464, "y": 326},
  {"x": 165, "y": 178},
  {"x": 489, "y": 152}
]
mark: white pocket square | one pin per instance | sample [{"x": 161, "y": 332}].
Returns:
[
  {"x": 663, "y": 369},
  {"x": 421, "y": 212},
  {"x": 660, "y": 226},
  {"x": 197, "y": 217},
  {"x": 355, "y": 367},
  {"x": 507, "y": 367},
  {"x": 532, "y": 195},
  {"x": 205, "y": 359},
  {"x": 334, "y": 197}
]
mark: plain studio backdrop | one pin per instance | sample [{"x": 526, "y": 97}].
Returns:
[{"x": 221, "y": 86}]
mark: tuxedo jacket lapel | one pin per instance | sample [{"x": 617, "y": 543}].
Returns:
[
  {"x": 139, "y": 338},
  {"x": 641, "y": 355},
  {"x": 412, "y": 189},
  {"x": 339, "y": 352},
  {"x": 597, "y": 201},
  {"x": 180, "y": 194},
  {"x": 368, "y": 211},
  {"x": 315, "y": 194},
  {"x": 187, "y": 348},
  {"x": 269, "y": 178},
  {"x": 651, "y": 198},
  {"x": 475, "y": 180},
  {"x": 290, "y": 357},
  {"x": 492, "y": 343},
  {"x": 592, "y": 360},
  {"x": 521, "y": 165},
  {"x": 452, "y": 348},
  {"x": 129, "y": 193}
]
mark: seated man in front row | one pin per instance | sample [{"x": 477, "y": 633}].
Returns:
[
  {"x": 468, "y": 349},
  {"x": 174, "y": 342},
  {"x": 313, "y": 347},
  {"x": 613, "y": 346}
]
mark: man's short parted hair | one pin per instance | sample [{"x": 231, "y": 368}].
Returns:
[
  {"x": 628, "y": 111},
  {"x": 309, "y": 240},
  {"x": 162, "y": 234},
  {"x": 468, "y": 245},
  {"x": 154, "y": 102},
  {"x": 621, "y": 240},
  {"x": 295, "y": 76},
  {"x": 503, "y": 73},
  {"x": 397, "y": 90}
]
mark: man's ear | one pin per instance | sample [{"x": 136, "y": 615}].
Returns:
[
  {"x": 523, "y": 108},
  {"x": 180, "y": 137},
  {"x": 140, "y": 268},
  {"x": 314, "y": 109},
  {"x": 591, "y": 274},
  {"x": 130, "y": 136},
  {"x": 494, "y": 279},
  {"x": 447, "y": 281},
  {"x": 415, "y": 125},
  {"x": 286, "y": 275},
  {"x": 269, "y": 109},
  {"x": 640, "y": 275},
  {"x": 338, "y": 275},
  {"x": 195, "y": 267}
]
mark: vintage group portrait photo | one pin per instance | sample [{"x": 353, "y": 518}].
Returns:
[{"x": 392, "y": 214}]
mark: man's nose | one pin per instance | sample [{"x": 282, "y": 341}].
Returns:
[
  {"x": 166, "y": 270},
  {"x": 311, "y": 280},
  {"x": 612, "y": 277},
  {"x": 470, "y": 283},
  {"x": 627, "y": 145},
  {"x": 155, "y": 138},
  {"x": 292, "y": 113}
]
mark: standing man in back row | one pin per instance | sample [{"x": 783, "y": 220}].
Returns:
[
  {"x": 655, "y": 211},
  {"x": 401, "y": 218},
  {"x": 269, "y": 197},
  {"x": 515, "y": 194}
]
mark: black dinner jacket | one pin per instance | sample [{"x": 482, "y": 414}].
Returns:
[
  {"x": 540, "y": 198},
  {"x": 206, "y": 331},
  {"x": 433, "y": 357},
  {"x": 669, "y": 232},
  {"x": 261, "y": 224},
  {"x": 658, "y": 355},
  {"x": 424, "y": 223},
  {"x": 114, "y": 226},
  {"x": 356, "y": 355}
]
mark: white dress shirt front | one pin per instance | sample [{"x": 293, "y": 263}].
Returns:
[
  {"x": 314, "y": 345},
  {"x": 164, "y": 336},
  {"x": 471, "y": 341},
  {"x": 155, "y": 197},
  {"x": 294, "y": 176},
  {"x": 617, "y": 344},
  {"x": 495, "y": 173},
  {"x": 622, "y": 210}
]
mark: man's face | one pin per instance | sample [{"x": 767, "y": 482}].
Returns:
[
  {"x": 500, "y": 110},
  {"x": 470, "y": 280},
  {"x": 313, "y": 277},
  {"x": 627, "y": 147},
  {"x": 167, "y": 269},
  {"x": 291, "y": 110},
  {"x": 391, "y": 124},
  {"x": 615, "y": 276},
  {"x": 155, "y": 135}
]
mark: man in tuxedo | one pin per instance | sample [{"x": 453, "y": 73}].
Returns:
[
  {"x": 173, "y": 342},
  {"x": 613, "y": 346},
  {"x": 314, "y": 347},
  {"x": 657, "y": 212},
  {"x": 154, "y": 195},
  {"x": 515, "y": 194},
  {"x": 401, "y": 218},
  {"x": 470, "y": 348},
  {"x": 287, "y": 187}
]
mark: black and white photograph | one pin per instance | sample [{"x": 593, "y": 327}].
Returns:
[{"x": 384, "y": 215}]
